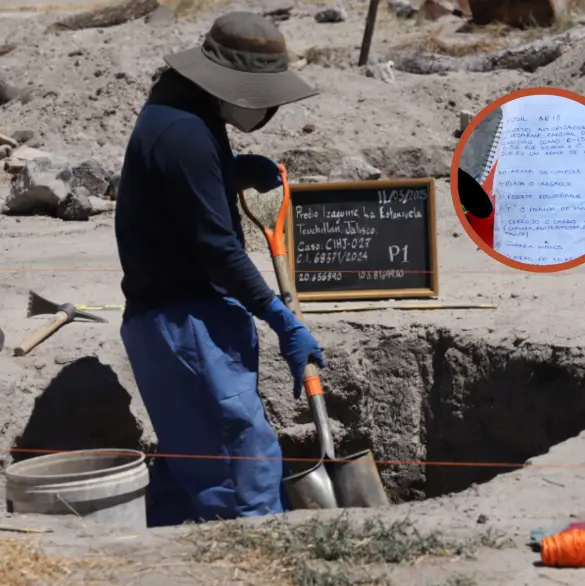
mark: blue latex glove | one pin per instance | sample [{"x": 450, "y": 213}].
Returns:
[
  {"x": 256, "y": 172},
  {"x": 297, "y": 344}
]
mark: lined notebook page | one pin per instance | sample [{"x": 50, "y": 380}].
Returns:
[{"x": 539, "y": 185}]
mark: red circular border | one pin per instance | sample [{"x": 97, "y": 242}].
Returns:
[{"x": 538, "y": 91}]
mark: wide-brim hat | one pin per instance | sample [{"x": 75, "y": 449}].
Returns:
[{"x": 243, "y": 61}]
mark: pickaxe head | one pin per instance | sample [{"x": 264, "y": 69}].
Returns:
[{"x": 37, "y": 305}]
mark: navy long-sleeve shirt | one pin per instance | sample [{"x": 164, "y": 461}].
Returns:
[{"x": 178, "y": 227}]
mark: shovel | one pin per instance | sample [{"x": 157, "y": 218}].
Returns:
[{"x": 332, "y": 483}]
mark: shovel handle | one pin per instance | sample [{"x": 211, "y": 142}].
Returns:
[
  {"x": 275, "y": 240},
  {"x": 42, "y": 333}
]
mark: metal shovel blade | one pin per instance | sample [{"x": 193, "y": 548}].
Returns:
[
  {"x": 311, "y": 489},
  {"x": 357, "y": 482},
  {"x": 351, "y": 482}
]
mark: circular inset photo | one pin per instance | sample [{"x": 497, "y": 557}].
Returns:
[{"x": 518, "y": 179}]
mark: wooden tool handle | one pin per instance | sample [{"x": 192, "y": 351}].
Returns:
[{"x": 48, "y": 328}]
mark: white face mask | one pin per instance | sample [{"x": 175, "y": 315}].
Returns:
[{"x": 243, "y": 119}]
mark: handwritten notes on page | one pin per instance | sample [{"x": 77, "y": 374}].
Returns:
[{"x": 539, "y": 185}]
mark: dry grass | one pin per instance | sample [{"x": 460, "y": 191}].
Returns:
[
  {"x": 23, "y": 563},
  {"x": 324, "y": 553}
]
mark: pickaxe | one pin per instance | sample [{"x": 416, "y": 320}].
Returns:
[{"x": 64, "y": 314}]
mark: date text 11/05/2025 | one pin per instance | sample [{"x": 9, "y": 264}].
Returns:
[{"x": 324, "y": 276}]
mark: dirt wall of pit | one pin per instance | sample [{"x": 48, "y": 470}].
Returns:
[{"x": 410, "y": 394}]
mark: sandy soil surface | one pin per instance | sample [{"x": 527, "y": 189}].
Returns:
[{"x": 501, "y": 385}]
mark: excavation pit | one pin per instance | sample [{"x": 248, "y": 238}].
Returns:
[
  {"x": 417, "y": 395},
  {"x": 430, "y": 397}
]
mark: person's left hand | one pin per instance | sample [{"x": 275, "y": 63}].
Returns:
[{"x": 256, "y": 172}]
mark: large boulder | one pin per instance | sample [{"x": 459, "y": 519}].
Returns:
[
  {"x": 50, "y": 186},
  {"x": 518, "y": 12},
  {"x": 39, "y": 188}
]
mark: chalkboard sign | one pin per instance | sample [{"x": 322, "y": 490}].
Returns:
[{"x": 363, "y": 240}]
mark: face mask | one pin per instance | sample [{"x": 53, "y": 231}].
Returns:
[{"x": 244, "y": 119}]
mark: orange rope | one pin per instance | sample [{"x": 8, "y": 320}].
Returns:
[{"x": 565, "y": 549}]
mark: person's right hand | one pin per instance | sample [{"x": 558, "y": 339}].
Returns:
[{"x": 297, "y": 345}]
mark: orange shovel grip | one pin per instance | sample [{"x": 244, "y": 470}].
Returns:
[
  {"x": 275, "y": 238},
  {"x": 313, "y": 386}
]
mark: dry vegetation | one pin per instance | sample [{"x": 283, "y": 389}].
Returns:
[
  {"x": 24, "y": 563},
  {"x": 326, "y": 553}
]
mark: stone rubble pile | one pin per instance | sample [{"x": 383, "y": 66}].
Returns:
[{"x": 42, "y": 183}]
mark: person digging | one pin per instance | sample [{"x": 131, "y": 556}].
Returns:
[{"x": 191, "y": 289}]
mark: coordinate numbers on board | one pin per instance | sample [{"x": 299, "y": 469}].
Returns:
[
  {"x": 317, "y": 277},
  {"x": 396, "y": 254},
  {"x": 380, "y": 275}
]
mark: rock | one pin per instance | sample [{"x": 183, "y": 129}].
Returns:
[
  {"x": 381, "y": 71},
  {"x": 6, "y": 140},
  {"x": 402, "y": 8},
  {"x": 411, "y": 162},
  {"x": 464, "y": 9},
  {"x": 49, "y": 186},
  {"x": 118, "y": 13},
  {"x": 100, "y": 206},
  {"x": 113, "y": 185},
  {"x": 7, "y": 48},
  {"x": 465, "y": 118},
  {"x": 310, "y": 161},
  {"x": 518, "y": 12},
  {"x": 20, "y": 156},
  {"x": 354, "y": 169},
  {"x": 91, "y": 175},
  {"x": 39, "y": 188},
  {"x": 75, "y": 206},
  {"x": 436, "y": 9},
  {"x": 279, "y": 14},
  {"x": 162, "y": 15},
  {"x": 14, "y": 166},
  {"x": 331, "y": 15},
  {"x": 5, "y": 151},
  {"x": 308, "y": 128},
  {"x": 23, "y": 136},
  {"x": 8, "y": 92}
]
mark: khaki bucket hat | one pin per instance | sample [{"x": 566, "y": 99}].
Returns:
[{"x": 243, "y": 61}]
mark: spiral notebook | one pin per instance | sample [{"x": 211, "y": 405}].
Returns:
[
  {"x": 538, "y": 151},
  {"x": 492, "y": 153}
]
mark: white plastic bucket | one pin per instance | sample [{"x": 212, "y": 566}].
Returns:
[{"x": 107, "y": 486}]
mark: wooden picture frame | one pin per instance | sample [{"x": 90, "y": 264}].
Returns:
[{"x": 350, "y": 295}]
